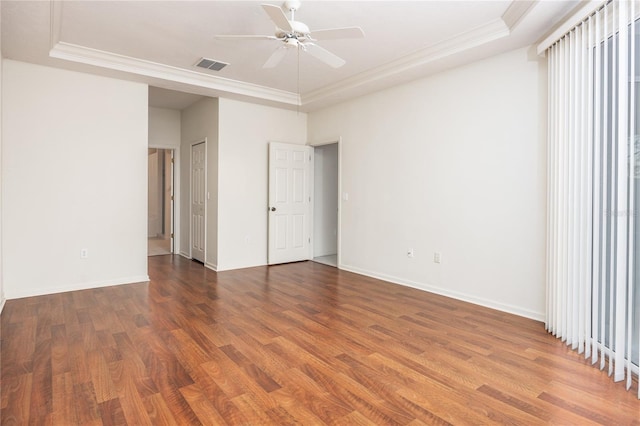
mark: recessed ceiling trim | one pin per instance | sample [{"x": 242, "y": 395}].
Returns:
[
  {"x": 55, "y": 22},
  {"x": 100, "y": 58},
  {"x": 517, "y": 10},
  {"x": 486, "y": 33},
  {"x": 483, "y": 34}
]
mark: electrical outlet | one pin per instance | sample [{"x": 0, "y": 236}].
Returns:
[
  {"x": 437, "y": 257},
  {"x": 410, "y": 253},
  {"x": 84, "y": 253}
]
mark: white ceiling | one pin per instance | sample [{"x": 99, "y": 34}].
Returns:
[{"x": 158, "y": 42}]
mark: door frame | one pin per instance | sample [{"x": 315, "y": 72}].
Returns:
[
  {"x": 337, "y": 140},
  {"x": 206, "y": 196},
  {"x": 175, "y": 189}
]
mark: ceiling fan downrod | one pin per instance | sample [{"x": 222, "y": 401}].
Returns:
[{"x": 292, "y": 6}]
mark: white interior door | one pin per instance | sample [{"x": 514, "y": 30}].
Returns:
[
  {"x": 289, "y": 202},
  {"x": 198, "y": 197}
]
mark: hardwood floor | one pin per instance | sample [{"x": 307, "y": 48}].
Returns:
[{"x": 301, "y": 343}]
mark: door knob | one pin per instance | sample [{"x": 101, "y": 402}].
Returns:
[{"x": 273, "y": 209}]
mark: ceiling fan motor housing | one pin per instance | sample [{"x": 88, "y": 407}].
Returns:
[
  {"x": 299, "y": 27},
  {"x": 300, "y": 32}
]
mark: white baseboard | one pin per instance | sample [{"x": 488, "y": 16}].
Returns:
[
  {"x": 2, "y": 301},
  {"x": 235, "y": 267},
  {"x": 322, "y": 254},
  {"x": 185, "y": 255},
  {"x": 516, "y": 310},
  {"x": 27, "y": 291}
]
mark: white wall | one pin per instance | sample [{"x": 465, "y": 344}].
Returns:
[
  {"x": 74, "y": 176},
  {"x": 164, "y": 128},
  {"x": 325, "y": 200},
  {"x": 199, "y": 122},
  {"x": 245, "y": 132},
  {"x": 453, "y": 163},
  {"x": 2, "y": 296}
]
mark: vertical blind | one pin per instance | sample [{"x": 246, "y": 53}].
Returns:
[{"x": 593, "y": 232}]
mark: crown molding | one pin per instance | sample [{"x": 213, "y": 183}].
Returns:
[
  {"x": 517, "y": 10},
  {"x": 488, "y": 32},
  {"x": 103, "y": 59},
  {"x": 100, "y": 58},
  {"x": 492, "y": 30}
]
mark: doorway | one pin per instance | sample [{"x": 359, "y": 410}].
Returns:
[
  {"x": 160, "y": 202},
  {"x": 325, "y": 206}
]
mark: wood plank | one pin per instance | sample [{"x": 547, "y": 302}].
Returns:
[
  {"x": 100, "y": 377},
  {"x": 87, "y": 411},
  {"x": 41, "y": 382},
  {"x": 111, "y": 413},
  {"x": 202, "y": 406},
  {"x": 131, "y": 400},
  {"x": 158, "y": 411},
  {"x": 64, "y": 412},
  {"x": 17, "y": 402},
  {"x": 251, "y": 411}
]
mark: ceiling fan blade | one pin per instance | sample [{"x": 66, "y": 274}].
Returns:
[
  {"x": 246, "y": 37},
  {"x": 278, "y": 17},
  {"x": 324, "y": 55},
  {"x": 275, "y": 57},
  {"x": 337, "y": 33}
]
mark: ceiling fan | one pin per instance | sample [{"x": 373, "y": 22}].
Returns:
[{"x": 294, "y": 34}]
